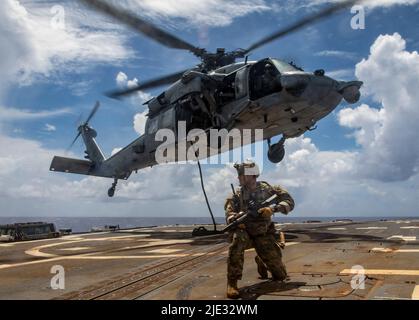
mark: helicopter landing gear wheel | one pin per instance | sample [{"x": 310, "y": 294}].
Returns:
[
  {"x": 276, "y": 152},
  {"x": 111, "y": 191}
]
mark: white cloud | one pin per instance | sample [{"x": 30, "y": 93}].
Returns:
[
  {"x": 137, "y": 98},
  {"x": 388, "y": 135},
  {"x": 337, "y": 53},
  {"x": 13, "y": 114},
  {"x": 32, "y": 47},
  {"x": 389, "y": 3},
  {"x": 28, "y": 188},
  {"x": 198, "y": 13},
  {"x": 368, "y": 3},
  {"x": 326, "y": 183},
  {"x": 50, "y": 128},
  {"x": 81, "y": 88},
  {"x": 367, "y": 121},
  {"x": 140, "y": 120}
]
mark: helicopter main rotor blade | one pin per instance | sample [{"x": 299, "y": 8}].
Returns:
[
  {"x": 143, "y": 26},
  {"x": 93, "y": 112},
  {"x": 74, "y": 141},
  {"x": 147, "y": 85},
  {"x": 303, "y": 23}
]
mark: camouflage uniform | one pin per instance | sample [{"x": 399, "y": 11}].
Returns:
[{"x": 259, "y": 231}]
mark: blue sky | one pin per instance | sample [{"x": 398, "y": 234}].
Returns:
[{"x": 71, "y": 80}]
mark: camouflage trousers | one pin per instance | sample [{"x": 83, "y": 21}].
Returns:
[{"x": 266, "y": 248}]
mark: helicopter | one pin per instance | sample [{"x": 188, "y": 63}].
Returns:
[{"x": 219, "y": 93}]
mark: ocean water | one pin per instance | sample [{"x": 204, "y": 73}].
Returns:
[{"x": 85, "y": 224}]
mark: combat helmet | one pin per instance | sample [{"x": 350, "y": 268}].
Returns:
[{"x": 247, "y": 168}]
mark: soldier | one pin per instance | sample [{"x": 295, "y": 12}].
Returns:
[{"x": 257, "y": 231}]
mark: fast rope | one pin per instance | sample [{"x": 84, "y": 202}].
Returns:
[{"x": 205, "y": 195}]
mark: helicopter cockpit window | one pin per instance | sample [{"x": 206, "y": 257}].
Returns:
[{"x": 264, "y": 80}]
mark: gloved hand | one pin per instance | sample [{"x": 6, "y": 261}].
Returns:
[
  {"x": 266, "y": 212},
  {"x": 242, "y": 226},
  {"x": 233, "y": 216},
  {"x": 283, "y": 208}
]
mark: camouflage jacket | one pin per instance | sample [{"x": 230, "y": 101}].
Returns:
[{"x": 257, "y": 225}]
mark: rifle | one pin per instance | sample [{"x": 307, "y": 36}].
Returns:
[{"x": 253, "y": 209}]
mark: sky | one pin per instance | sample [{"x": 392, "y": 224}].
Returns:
[{"x": 57, "y": 59}]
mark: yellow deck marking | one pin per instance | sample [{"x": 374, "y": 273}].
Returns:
[
  {"x": 36, "y": 252},
  {"x": 415, "y": 293},
  {"x": 400, "y": 221},
  {"x": 75, "y": 249},
  {"x": 126, "y": 257},
  {"x": 124, "y": 237},
  {"x": 88, "y": 257},
  {"x": 7, "y": 245},
  {"x": 389, "y": 250},
  {"x": 76, "y": 237},
  {"x": 404, "y": 238},
  {"x": 92, "y": 256},
  {"x": 165, "y": 251},
  {"x": 372, "y": 228},
  {"x": 410, "y": 227},
  {"x": 65, "y": 238},
  {"x": 382, "y": 272}
]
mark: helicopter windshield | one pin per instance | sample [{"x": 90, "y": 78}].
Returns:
[{"x": 283, "y": 66}]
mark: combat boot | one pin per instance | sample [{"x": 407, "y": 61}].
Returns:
[
  {"x": 232, "y": 290},
  {"x": 262, "y": 270},
  {"x": 280, "y": 276}
]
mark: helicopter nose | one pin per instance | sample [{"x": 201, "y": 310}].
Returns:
[
  {"x": 350, "y": 90},
  {"x": 313, "y": 87},
  {"x": 318, "y": 88}
]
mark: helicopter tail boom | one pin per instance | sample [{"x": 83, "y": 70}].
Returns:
[
  {"x": 68, "y": 165},
  {"x": 78, "y": 166}
]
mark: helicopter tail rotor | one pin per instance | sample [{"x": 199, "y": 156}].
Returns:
[{"x": 85, "y": 125}]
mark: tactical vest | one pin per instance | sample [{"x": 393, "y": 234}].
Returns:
[{"x": 256, "y": 225}]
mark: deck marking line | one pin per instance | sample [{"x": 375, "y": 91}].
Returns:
[
  {"x": 404, "y": 238},
  {"x": 372, "y": 228},
  {"x": 382, "y": 272},
  {"x": 389, "y": 250},
  {"x": 75, "y": 249}
]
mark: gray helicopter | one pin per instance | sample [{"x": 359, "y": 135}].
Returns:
[{"x": 219, "y": 93}]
